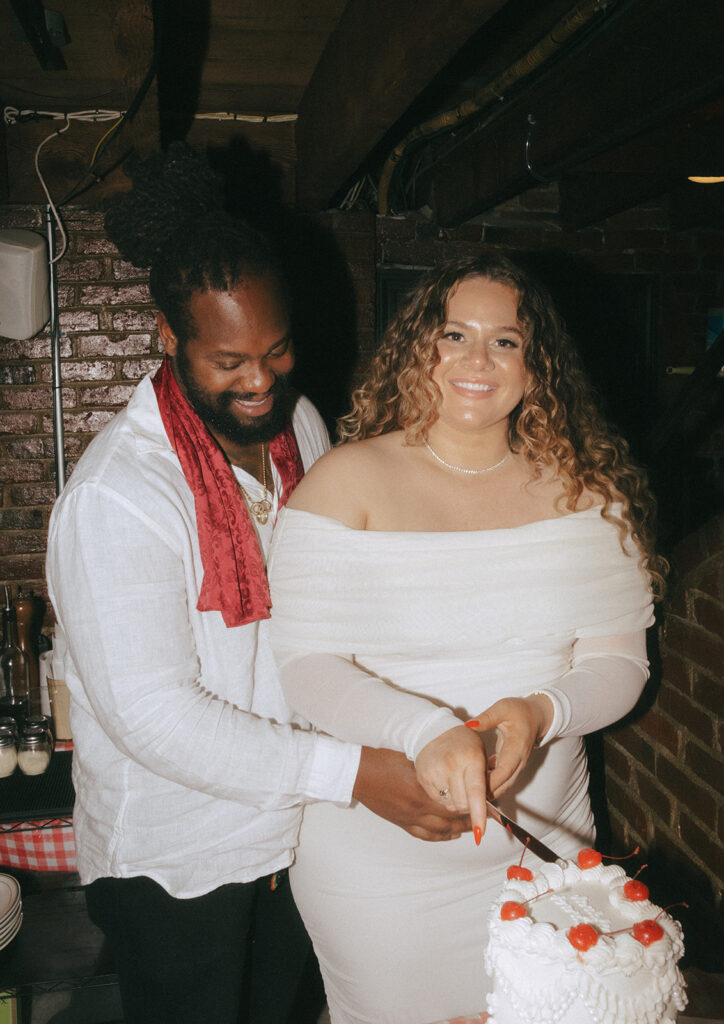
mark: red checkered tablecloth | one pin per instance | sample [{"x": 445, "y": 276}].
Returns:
[{"x": 44, "y": 845}]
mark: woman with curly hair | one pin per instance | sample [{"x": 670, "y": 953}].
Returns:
[{"x": 479, "y": 551}]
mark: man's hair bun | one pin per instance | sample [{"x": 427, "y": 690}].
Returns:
[{"x": 169, "y": 188}]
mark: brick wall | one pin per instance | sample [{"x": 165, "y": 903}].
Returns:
[
  {"x": 108, "y": 342},
  {"x": 665, "y": 769}
]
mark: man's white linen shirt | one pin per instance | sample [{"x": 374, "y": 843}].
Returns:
[{"x": 189, "y": 767}]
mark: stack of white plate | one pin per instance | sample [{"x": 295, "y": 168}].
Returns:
[{"x": 11, "y": 909}]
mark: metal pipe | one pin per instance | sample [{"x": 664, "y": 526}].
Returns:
[{"x": 58, "y": 432}]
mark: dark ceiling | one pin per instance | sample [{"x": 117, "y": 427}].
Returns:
[{"x": 417, "y": 104}]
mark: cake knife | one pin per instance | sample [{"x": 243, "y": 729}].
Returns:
[{"x": 534, "y": 845}]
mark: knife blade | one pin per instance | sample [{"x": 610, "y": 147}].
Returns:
[{"x": 534, "y": 845}]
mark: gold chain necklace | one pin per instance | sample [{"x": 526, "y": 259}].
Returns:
[{"x": 259, "y": 509}]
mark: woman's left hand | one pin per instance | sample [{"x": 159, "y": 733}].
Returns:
[
  {"x": 521, "y": 722},
  {"x": 451, "y": 770}
]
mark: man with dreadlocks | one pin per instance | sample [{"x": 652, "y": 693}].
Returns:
[{"x": 190, "y": 770}]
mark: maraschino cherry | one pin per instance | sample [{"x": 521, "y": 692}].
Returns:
[
  {"x": 582, "y": 936},
  {"x": 512, "y": 909},
  {"x": 647, "y": 932},
  {"x": 650, "y": 930},
  {"x": 517, "y": 871},
  {"x": 589, "y": 858},
  {"x": 635, "y": 890}
]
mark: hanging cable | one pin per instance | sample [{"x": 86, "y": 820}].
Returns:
[
  {"x": 103, "y": 138},
  {"x": 51, "y": 204}
]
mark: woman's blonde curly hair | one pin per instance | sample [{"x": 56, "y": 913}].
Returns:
[{"x": 557, "y": 424}]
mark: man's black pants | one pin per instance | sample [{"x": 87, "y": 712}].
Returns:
[{"x": 233, "y": 956}]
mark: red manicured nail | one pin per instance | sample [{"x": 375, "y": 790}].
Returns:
[
  {"x": 473, "y": 723},
  {"x": 478, "y": 833}
]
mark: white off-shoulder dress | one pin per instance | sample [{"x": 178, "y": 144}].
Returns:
[{"x": 381, "y": 638}]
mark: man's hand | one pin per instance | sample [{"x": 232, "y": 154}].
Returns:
[{"x": 387, "y": 785}]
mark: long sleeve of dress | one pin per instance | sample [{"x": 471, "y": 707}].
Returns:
[
  {"x": 337, "y": 696},
  {"x": 340, "y": 698},
  {"x": 606, "y": 679}
]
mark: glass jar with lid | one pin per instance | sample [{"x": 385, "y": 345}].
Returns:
[
  {"x": 7, "y": 722},
  {"x": 34, "y": 749},
  {"x": 40, "y": 723},
  {"x": 8, "y": 751}
]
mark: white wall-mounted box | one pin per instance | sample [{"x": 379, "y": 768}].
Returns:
[{"x": 24, "y": 276}]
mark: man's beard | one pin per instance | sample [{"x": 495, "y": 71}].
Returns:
[{"x": 215, "y": 411}]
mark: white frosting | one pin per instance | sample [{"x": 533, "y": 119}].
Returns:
[{"x": 539, "y": 977}]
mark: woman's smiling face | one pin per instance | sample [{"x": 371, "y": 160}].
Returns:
[{"x": 481, "y": 374}]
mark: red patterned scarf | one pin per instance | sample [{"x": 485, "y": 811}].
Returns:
[{"x": 235, "y": 580}]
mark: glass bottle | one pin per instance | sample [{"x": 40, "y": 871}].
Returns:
[
  {"x": 14, "y": 668},
  {"x": 27, "y": 611}
]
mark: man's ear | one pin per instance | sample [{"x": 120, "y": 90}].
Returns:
[{"x": 168, "y": 338}]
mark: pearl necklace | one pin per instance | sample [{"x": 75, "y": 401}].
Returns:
[
  {"x": 259, "y": 509},
  {"x": 461, "y": 469}
]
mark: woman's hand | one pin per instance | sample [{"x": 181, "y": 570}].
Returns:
[
  {"x": 521, "y": 722},
  {"x": 451, "y": 770}
]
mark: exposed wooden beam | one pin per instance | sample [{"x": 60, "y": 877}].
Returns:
[
  {"x": 31, "y": 16},
  {"x": 132, "y": 33},
  {"x": 130, "y": 30},
  {"x": 635, "y": 74},
  {"x": 374, "y": 65},
  {"x": 131, "y": 47}
]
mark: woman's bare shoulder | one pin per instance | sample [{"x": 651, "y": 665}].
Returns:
[
  {"x": 548, "y": 490},
  {"x": 338, "y": 484}
]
